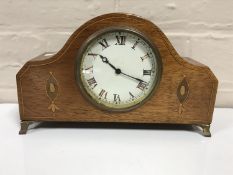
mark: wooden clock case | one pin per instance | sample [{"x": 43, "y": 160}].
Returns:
[{"x": 48, "y": 91}]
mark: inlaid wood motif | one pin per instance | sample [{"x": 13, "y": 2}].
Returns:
[
  {"x": 182, "y": 94},
  {"x": 52, "y": 91}
]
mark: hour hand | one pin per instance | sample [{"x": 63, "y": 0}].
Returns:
[{"x": 105, "y": 60}]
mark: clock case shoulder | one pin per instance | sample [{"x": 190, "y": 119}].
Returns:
[{"x": 70, "y": 105}]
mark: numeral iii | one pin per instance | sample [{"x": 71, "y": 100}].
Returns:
[{"x": 146, "y": 72}]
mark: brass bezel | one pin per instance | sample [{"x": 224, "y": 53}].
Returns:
[{"x": 79, "y": 58}]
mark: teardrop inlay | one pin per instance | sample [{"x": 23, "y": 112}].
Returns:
[
  {"x": 52, "y": 87},
  {"x": 183, "y": 90}
]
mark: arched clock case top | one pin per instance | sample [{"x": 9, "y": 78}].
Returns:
[{"x": 48, "y": 91}]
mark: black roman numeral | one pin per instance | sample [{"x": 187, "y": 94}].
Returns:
[
  {"x": 103, "y": 94},
  {"x": 92, "y": 82},
  {"x": 141, "y": 85},
  {"x": 135, "y": 44},
  {"x": 104, "y": 44},
  {"x": 131, "y": 95},
  {"x": 120, "y": 40},
  {"x": 93, "y": 54},
  {"x": 145, "y": 56},
  {"x": 117, "y": 98},
  {"x": 147, "y": 72},
  {"x": 89, "y": 69}
]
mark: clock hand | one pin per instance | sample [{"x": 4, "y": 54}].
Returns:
[
  {"x": 118, "y": 71},
  {"x": 133, "y": 77},
  {"x": 105, "y": 60}
]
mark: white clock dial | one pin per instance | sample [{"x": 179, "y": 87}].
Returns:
[{"x": 118, "y": 69}]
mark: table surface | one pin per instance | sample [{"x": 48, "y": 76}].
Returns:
[{"x": 66, "y": 149}]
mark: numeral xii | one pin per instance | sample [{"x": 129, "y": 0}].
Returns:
[{"x": 120, "y": 40}]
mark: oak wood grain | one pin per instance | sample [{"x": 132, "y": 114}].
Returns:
[{"x": 163, "y": 107}]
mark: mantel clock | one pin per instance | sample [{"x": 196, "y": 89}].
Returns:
[{"x": 116, "y": 68}]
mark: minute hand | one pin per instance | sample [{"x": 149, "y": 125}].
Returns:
[
  {"x": 133, "y": 77},
  {"x": 118, "y": 71}
]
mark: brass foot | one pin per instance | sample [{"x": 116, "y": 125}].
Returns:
[
  {"x": 24, "y": 127},
  {"x": 206, "y": 130}
]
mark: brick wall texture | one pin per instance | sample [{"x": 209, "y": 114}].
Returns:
[{"x": 200, "y": 29}]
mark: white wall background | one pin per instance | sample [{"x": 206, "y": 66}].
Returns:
[{"x": 201, "y": 29}]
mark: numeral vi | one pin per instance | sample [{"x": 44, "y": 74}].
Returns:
[{"x": 116, "y": 98}]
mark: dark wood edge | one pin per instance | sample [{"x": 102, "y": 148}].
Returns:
[
  {"x": 194, "y": 62},
  {"x": 193, "y": 122}
]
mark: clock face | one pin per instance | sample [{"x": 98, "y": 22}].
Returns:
[{"x": 118, "y": 69}]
